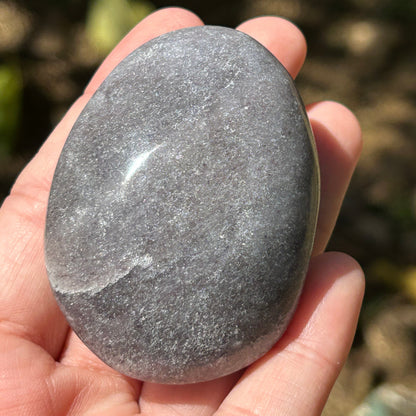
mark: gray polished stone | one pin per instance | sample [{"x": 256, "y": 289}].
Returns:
[{"x": 183, "y": 208}]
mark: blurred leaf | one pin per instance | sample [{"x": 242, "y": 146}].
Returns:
[
  {"x": 385, "y": 272},
  {"x": 140, "y": 9},
  {"x": 398, "y": 278},
  {"x": 402, "y": 211},
  {"x": 409, "y": 282},
  {"x": 11, "y": 86},
  {"x": 109, "y": 20}
]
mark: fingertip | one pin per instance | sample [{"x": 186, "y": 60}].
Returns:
[
  {"x": 175, "y": 17},
  {"x": 283, "y": 38},
  {"x": 343, "y": 261},
  {"x": 341, "y": 122},
  {"x": 353, "y": 279},
  {"x": 340, "y": 266},
  {"x": 338, "y": 140}
]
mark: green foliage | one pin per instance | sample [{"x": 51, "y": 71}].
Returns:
[
  {"x": 11, "y": 87},
  {"x": 396, "y": 277},
  {"x": 109, "y": 20},
  {"x": 402, "y": 211}
]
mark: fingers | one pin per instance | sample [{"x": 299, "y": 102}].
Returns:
[
  {"x": 283, "y": 39},
  {"x": 296, "y": 376},
  {"x": 326, "y": 316},
  {"x": 338, "y": 141},
  {"x": 27, "y": 307}
]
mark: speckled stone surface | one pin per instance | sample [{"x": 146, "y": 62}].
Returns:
[{"x": 183, "y": 208}]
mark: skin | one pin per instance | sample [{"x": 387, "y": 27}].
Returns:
[{"x": 46, "y": 370}]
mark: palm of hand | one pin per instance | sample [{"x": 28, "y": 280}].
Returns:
[{"x": 46, "y": 370}]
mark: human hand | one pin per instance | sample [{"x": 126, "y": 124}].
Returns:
[{"x": 46, "y": 370}]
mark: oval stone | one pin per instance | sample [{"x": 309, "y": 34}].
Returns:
[{"x": 183, "y": 207}]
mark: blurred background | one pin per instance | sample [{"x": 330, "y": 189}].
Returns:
[{"x": 361, "y": 52}]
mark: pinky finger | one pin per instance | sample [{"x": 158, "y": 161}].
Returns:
[{"x": 296, "y": 376}]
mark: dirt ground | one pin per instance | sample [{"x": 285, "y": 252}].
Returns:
[{"x": 361, "y": 53}]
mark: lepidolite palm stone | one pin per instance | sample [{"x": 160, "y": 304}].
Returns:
[{"x": 183, "y": 208}]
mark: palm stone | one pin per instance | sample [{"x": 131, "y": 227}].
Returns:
[{"x": 183, "y": 208}]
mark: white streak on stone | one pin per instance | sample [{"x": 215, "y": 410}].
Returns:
[{"x": 139, "y": 163}]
